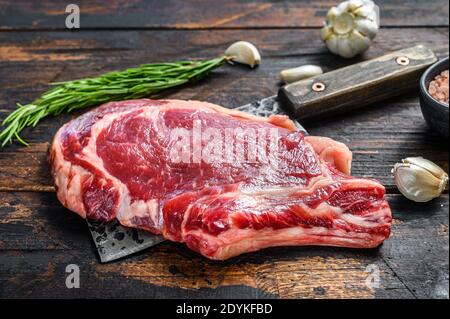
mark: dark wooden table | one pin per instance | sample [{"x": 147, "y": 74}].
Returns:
[{"x": 39, "y": 238}]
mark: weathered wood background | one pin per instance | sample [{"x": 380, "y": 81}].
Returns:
[{"x": 39, "y": 238}]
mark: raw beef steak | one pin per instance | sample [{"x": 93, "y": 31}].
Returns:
[{"x": 222, "y": 181}]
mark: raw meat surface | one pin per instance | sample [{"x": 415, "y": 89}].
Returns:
[{"x": 116, "y": 162}]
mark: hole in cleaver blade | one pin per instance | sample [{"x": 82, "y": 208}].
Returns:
[{"x": 114, "y": 241}]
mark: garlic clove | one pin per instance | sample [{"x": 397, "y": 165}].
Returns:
[
  {"x": 369, "y": 3},
  {"x": 244, "y": 52},
  {"x": 366, "y": 27},
  {"x": 332, "y": 13},
  {"x": 416, "y": 183},
  {"x": 325, "y": 33},
  {"x": 372, "y": 10},
  {"x": 333, "y": 44},
  {"x": 428, "y": 165},
  {"x": 343, "y": 6},
  {"x": 355, "y": 4},
  {"x": 359, "y": 42},
  {"x": 367, "y": 13},
  {"x": 419, "y": 180},
  {"x": 345, "y": 48},
  {"x": 300, "y": 73}
]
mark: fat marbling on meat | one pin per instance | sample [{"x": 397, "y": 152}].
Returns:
[{"x": 115, "y": 162}]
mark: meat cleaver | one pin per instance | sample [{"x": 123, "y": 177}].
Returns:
[{"x": 324, "y": 95}]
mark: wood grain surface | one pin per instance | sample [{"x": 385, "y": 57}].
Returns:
[
  {"x": 202, "y": 14},
  {"x": 38, "y": 237}
]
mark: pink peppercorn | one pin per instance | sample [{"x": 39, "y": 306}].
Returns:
[{"x": 438, "y": 88}]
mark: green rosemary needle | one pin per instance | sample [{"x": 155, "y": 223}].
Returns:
[{"x": 133, "y": 83}]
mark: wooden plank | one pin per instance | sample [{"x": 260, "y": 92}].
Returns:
[
  {"x": 379, "y": 135},
  {"x": 200, "y": 14},
  {"x": 39, "y": 238},
  {"x": 420, "y": 233},
  {"x": 39, "y": 222},
  {"x": 54, "y": 56},
  {"x": 78, "y": 47},
  {"x": 41, "y": 274}
]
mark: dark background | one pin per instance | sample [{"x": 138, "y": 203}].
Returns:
[{"x": 39, "y": 238}]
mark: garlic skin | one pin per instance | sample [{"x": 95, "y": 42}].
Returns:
[
  {"x": 244, "y": 52},
  {"x": 419, "y": 179},
  {"x": 350, "y": 27},
  {"x": 300, "y": 73}
]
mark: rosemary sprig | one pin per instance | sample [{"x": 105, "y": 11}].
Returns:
[{"x": 132, "y": 83}]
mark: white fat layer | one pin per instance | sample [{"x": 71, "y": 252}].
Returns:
[{"x": 236, "y": 241}]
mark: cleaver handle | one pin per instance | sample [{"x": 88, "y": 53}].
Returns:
[{"x": 356, "y": 85}]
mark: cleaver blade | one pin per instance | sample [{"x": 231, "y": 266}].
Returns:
[{"x": 114, "y": 241}]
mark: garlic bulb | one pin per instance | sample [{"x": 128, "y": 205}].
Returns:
[
  {"x": 420, "y": 180},
  {"x": 350, "y": 27},
  {"x": 244, "y": 52},
  {"x": 300, "y": 73}
]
